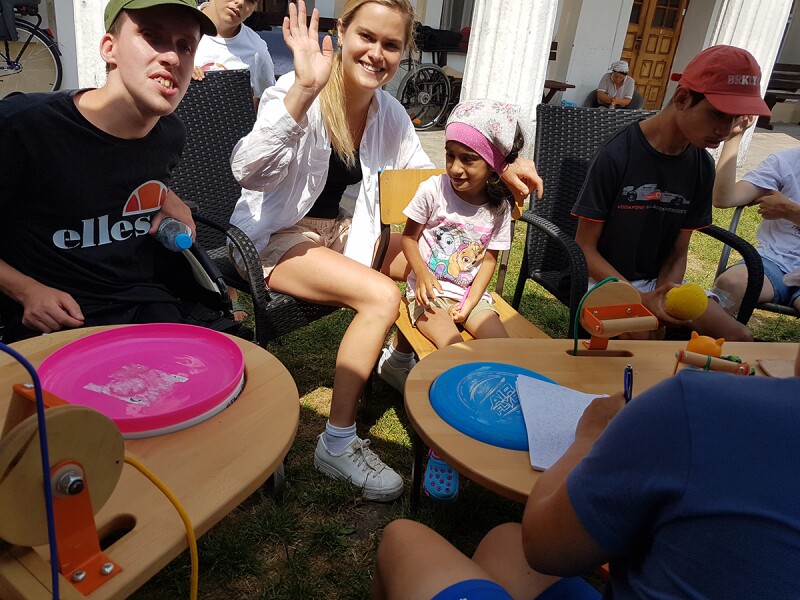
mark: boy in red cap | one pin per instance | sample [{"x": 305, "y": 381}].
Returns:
[
  {"x": 650, "y": 184},
  {"x": 89, "y": 179}
]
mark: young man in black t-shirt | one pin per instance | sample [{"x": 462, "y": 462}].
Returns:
[
  {"x": 649, "y": 186},
  {"x": 86, "y": 186}
]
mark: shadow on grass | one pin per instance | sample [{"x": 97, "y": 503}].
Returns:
[{"x": 320, "y": 539}]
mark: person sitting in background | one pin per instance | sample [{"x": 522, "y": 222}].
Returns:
[
  {"x": 616, "y": 87},
  {"x": 235, "y": 46},
  {"x": 774, "y": 187},
  {"x": 658, "y": 488}
]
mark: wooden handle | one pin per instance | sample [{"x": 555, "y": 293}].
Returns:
[
  {"x": 614, "y": 327},
  {"x": 713, "y": 364}
]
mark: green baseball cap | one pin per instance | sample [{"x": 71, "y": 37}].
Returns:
[{"x": 113, "y": 8}]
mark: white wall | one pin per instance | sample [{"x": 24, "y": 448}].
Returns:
[
  {"x": 433, "y": 14},
  {"x": 598, "y": 40}
]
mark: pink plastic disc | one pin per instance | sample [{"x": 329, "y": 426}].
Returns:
[{"x": 149, "y": 379}]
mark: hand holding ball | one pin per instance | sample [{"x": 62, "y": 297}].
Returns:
[{"x": 686, "y": 302}]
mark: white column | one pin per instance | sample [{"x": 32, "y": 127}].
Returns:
[
  {"x": 89, "y": 29},
  {"x": 757, "y": 26},
  {"x": 508, "y": 52}
]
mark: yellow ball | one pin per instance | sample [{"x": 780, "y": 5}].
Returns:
[{"x": 686, "y": 302}]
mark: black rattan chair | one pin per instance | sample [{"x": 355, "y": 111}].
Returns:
[
  {"x": 567, "y": 139},
  {"x": 723, "y": 264},
  {"x": 217, "y": 112}
]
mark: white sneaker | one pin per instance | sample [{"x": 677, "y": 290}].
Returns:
[
  {"x": 394, "y": 376},
  {"x": 362, "y": 467}
]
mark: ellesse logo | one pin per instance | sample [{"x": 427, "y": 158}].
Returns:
[
  {"x": 99, "y": 231},
  {"x": 146, "y": 198}
]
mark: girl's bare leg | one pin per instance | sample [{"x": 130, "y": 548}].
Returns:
[
  {"x": 485, "y": 325},
  {"x": 438, "y": 326}
]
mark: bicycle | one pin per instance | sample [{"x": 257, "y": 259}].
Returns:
[
  {"x": 30, "y": 60},
  {"x": 427, "y": 92}
]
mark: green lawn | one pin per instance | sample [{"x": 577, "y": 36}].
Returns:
[{"x": 320, "y": 540}]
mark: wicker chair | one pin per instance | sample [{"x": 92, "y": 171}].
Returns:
[
  {"x": 567, "y": 139},
  {"x": 723, "y": 264},
  {"x": 217, "y": 112}
]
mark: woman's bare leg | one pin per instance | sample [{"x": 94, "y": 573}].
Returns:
[
  {"x": 396, "y": 266},
  {"x": 318, "y": 274}
]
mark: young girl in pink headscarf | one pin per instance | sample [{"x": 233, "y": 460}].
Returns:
[{"x": 457, "y": 224}]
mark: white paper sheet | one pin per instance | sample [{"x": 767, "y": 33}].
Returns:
[{"x": 551, "y": 413}]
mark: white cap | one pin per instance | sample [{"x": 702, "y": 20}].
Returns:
[{"x": 619, "y": 66}]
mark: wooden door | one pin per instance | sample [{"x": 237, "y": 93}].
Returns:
[{"x": 653, "y": 31}]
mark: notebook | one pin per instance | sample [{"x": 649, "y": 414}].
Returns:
[{"x": 551, "y": 413}]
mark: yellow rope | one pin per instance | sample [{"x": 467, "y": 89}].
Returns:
[{"x": 184, "y": 516}]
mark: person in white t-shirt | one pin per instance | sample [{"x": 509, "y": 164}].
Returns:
[
  {"x": 774, "y": 187},
  {"x": 235, "y": 46},
  {"x": 616, "y": 87}
]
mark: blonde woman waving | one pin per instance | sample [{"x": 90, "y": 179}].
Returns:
[{"x": 309, "y": 170}]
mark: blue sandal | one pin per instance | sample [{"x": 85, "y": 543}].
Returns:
[{"x": 441, "y": 480}]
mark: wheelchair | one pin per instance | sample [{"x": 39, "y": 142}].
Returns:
[{"x": 427, "y": 91}]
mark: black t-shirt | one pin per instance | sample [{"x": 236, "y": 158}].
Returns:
[
  {"x": 77, "y": 202},
  {"x": 339, "y": 177},
  {"x": 645, "y": 198}
]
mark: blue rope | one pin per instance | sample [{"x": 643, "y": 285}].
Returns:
[{"x": 48, "y": 492}]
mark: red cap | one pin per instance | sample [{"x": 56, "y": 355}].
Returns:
[{"x": 730, "y": 79}]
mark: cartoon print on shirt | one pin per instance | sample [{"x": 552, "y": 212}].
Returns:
[
  {"x": 464, "y": 260},
  {"x": 446, "y": 243},
  {"x": 457, "y": 253}
]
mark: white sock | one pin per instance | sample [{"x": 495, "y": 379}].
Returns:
[
  {"x": 396, "y": 358},
  {"x": 336, "y": 439}
]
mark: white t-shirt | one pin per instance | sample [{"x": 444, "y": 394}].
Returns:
[
  {"x": 622, "y": 91},
  {"x": 245, "y": 50},
  {"x": 456, "y": 236},
  {"x": 779, "y": 239}
]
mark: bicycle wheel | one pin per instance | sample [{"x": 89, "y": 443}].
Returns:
[
  {"x": 32, "y": 68},
  {"x": 425, "y": 94}
]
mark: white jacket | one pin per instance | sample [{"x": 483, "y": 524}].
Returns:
[{"x": 283, "y": 167}]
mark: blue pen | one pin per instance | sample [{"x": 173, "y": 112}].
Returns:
[{"x": 628, "y": 383}]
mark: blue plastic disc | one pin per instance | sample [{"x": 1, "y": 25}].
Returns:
[{"x": 480, "y": 400}]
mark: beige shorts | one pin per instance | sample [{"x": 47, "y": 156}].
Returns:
[
  {"x": 330, "y": 233},
  {"x": 415, "y": 310}
]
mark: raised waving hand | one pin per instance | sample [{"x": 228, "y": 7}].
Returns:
[{"x": 312, "y": 63}]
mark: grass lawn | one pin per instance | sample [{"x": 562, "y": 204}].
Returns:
[{"x": 319, "y": 541}]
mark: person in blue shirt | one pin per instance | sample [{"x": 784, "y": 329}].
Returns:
[{"x": 688, "y": 491}]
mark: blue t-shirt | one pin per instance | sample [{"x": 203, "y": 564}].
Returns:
[{"x": 696, "y": 485}]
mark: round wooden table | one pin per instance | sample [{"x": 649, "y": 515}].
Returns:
[
  {"x": 509, "y": 472},
  {"x": 211, "y": 467}
]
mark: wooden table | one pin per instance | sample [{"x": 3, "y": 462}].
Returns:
[
  {"x": 211, "y": 467},
  {"x": 509, "y": 472},
  {"x": 552, "y": 86}
]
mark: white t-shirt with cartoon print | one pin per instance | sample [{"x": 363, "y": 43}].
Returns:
[
  {"x": 245, "y": 50},
  {"x": 779, "y": 239},
  {"x": 456, "y": 235}
]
